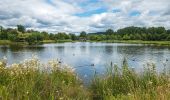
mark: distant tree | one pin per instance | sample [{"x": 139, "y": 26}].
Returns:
[
  {"x": 34, "y": 38},
  {"x": 4, "y": 35},
  {"x": 12, "y": 35},
  {"x": 62, "y": 36},
  {"x": 45, "y": 35},
  {"x": 21, "y": 28},
  {"x": 168, "y": 31},
  {"x": 73, "y": 36},
  {"x": 109, "y": 32},
  {"x": 1, "y": 29},
  {"x": 83, "y": 34},
  {"x": 51, "y": 36}
]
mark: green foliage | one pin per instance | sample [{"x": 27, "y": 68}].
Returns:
[
  {"x": 83, "y": 34},
  {"x": 61, "y": 36},
  {"x": 127, "y": 33},
  {"x": 31, "y": 81},
  {"x": 3, "y": 35},
  {"x": 135, "y": 33},
  {"x": 34, "y": 38},
  {"x": 21, "y": 28},
  {"x": 124, "y": 83},
  {"x": 109, "y": 32},
  {"x": 73, "y": 37}
]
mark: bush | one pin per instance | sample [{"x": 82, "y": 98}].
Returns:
[{"x": 34, "y": 38}]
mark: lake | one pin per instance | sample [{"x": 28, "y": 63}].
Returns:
[{"x": 83, "y": 55}]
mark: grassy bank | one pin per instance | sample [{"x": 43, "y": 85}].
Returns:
[
  {"x": 8, "y": 42},
  {"x": 159, "y": 43},
  {"x": 126, "y": 84},
  {"x": 33, "y": 80},
  {"x": 5, "y": 42}
]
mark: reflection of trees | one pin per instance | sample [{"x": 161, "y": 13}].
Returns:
[
  {"x": 60, "y": 49},
  {"x": 108, "y": 49},
  {"x": 83, "y": 48},
  {"x": 3, "y": 50},
  {"x": 17, "y": 48}
]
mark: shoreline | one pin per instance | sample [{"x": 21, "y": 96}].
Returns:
[{"x": 157, "y": 43}]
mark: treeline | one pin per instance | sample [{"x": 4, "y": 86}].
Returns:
[
  {"x": 20, "y": 34},
  {"x": 133, "y": 33}
]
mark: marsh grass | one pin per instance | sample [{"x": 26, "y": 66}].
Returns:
[
  {"x": 125, "y": 84},
  {"x": 32, "y": 80}
]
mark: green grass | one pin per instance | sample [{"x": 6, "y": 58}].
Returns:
[
  {"x": 48, "y": 41},
  {"x": 5, "y": 42},
  {"x": 158, "y": 43},
  {"x": 32, "y": 80},
  {"x": 62, "y": 41},
  {"x": 8, "y": 42},
  {"x": 126, "y": 84}
]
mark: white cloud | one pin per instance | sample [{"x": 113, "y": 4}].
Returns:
[{"x": 60, "y": 15}]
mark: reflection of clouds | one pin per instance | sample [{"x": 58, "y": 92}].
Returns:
[{"x": 97, "y": 60}]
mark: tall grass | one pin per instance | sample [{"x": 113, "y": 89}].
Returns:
[
  {"x": 126, "y": 84},
  {"x": 32, "y": 80}
]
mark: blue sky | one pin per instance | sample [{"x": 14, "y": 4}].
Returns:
[{"x": 84, "y": 15}]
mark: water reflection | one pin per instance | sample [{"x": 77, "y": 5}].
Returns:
[{"x": 86, "y": 54}]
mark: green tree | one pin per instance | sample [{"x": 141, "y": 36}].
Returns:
[
  {"x": 21, "y": 28},
  {"x": 83, "y": 34},
  {"x": 4, "y": 35},
  {"x": 13, "y": 35},
  {"x": 73, "y": 36},
  {"x": 34, "y": 38},
  {"x": 109, "y": 32}
]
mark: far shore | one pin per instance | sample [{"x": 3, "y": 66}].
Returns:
[{"x": 157, "y": 43}]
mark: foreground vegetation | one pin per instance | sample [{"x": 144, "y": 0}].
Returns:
[
  {"x": 31, "y": 80},
  {"x": 35, "y": 81},
  {"x": 126, "y": 84}
]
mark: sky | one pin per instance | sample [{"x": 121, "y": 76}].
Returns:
[{"x": 74, "y": 16}]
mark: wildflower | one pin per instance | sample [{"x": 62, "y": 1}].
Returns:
[
  {"x": 129, "y": 94},
  {"x": 63, "y": 82},
  {"x": 150, "y": 82},
  {"x": 1, "y": 63}
]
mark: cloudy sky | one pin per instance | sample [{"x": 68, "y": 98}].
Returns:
[{"x": 84, "y": 15}]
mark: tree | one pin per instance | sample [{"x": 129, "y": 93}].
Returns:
[
  {"x": 73, "y": 36},
  {"x": 34, "y": 38},
  {"x": 13, "y": 35},
  {"x": 109, "y": 32},
  {"x": 21, "y": 28},
  {"x": 1, "y": 29},
  {"x": 83, "y": 34},
  {"x": 4, "y": 35}
]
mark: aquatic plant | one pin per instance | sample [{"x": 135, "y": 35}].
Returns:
[{"x": 124, "y": 83}]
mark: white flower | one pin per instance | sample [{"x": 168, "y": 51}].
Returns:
[{"x": 1, "y": 63}]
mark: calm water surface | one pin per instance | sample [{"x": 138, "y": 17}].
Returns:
[{"x": 82, "y": 55}]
